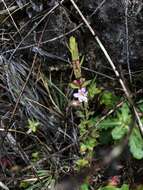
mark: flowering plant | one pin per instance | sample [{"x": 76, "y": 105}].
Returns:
[
  {"x": 84, "y": 88},
  {"x": 79, "y": 83}
]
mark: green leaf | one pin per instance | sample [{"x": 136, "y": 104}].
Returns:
[
  {"x": 83, "y": 131},
  {"x": 87, "y": 123},
  {"x": 119, "y": 132},
  {"x": 119, "y": 123},
  {"x": 123, "y": 118},
  {"x": 86, "y": 83},
  {"x": 136, "y": 144},
  {"x": 125, "y": 187},
  {"x": 108, "y": 99},
  {"x": 124, "y": 114},
  {"x": 92, "y": 89},
  {"x": 90, "y": 143},
  {"x": 85, "y": 186},
  {"x": 82, "y": 59},
  {"x": 82, "y": 163},
  {"x": 73, "y": 48},
  {"x": 80, "y": 114},
  {"x": 108, "y": 188},
  {"x": 83, "y": 148},
  {"x": 74, "y": 86},
  {"x": 23, "y": 184},
  {"x": 32, "y": 125},
  {"x": 109, "y": 123},
  {"x": 35, "y": 156}
]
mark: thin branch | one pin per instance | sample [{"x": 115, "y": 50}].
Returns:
[{"x": 127, "y": 39}]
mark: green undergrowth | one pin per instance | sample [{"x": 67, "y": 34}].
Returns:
[
  {"x": 118, "y": 119},
  {"x": 103, "y": 117}
]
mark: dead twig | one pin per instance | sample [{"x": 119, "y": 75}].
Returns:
[
  {"x": 127, "y": 39},
  {"x": 3, "y": 186},
  {"x": 7, "y": 9},
  {"x": 37, "y": 24},
  {"x": 2, "y": 12}
]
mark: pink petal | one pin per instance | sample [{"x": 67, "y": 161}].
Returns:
[
  {"x": 76, "y": 95},
  {"x": 83, "y": 90}
]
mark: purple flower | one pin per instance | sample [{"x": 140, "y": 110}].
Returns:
[{"x": 81, "y": 95}]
